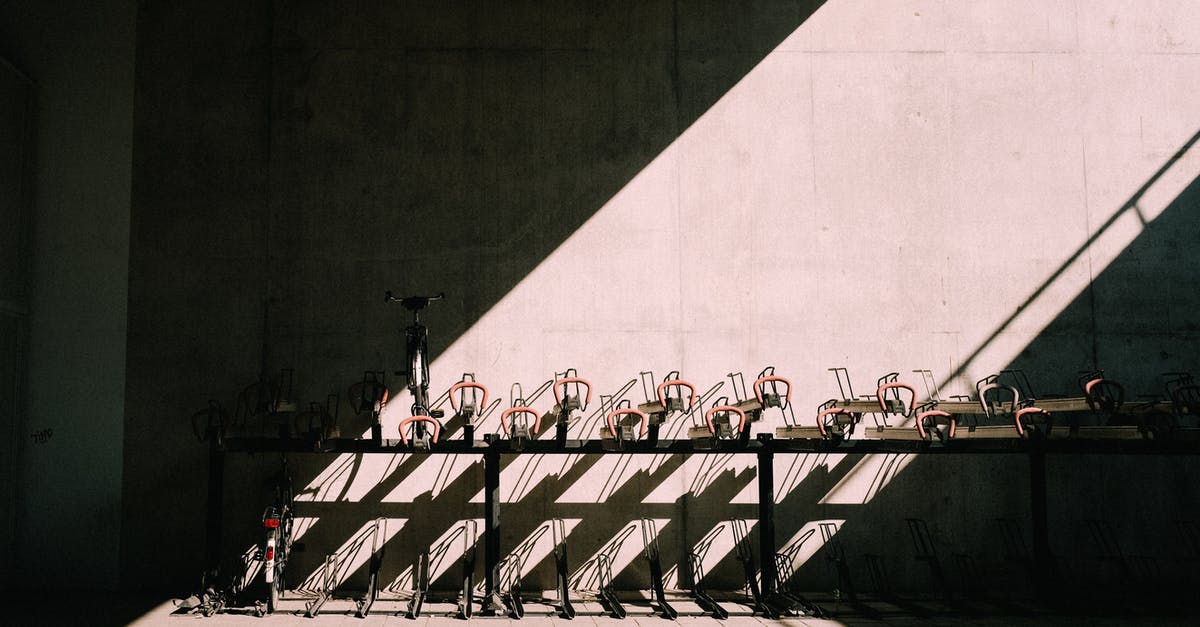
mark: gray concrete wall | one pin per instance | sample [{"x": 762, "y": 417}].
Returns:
[
  {"x": 80, "y": 58},
  {"x": 16, "y": 165},
  {"x": 656, "y": 185}
]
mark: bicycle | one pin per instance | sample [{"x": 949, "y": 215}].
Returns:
[
  {"x": 277, "y": 522},
  {"x": 416, "y": 347}
]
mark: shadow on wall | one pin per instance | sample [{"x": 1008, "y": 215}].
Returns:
[
  {"x": 1134, "y": 322},
  {"x": 293, "y": 161}
]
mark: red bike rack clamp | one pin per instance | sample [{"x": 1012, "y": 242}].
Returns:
[
  {"x": 758, "y": 383},
  {"x": 612, "y": 424},
  {"x": 931, "y": 414},
  {"x": 505, "y": 418},
  {"x": 462, "y": 385},
  {"x": 1026, "y": 411},
  {"x": 562, "y": 383},
  {"x": 725, "y": 408},
  {"x": 437, "y": 427},
  {"x": 896, "y": 386},
  {"x": 833, "y": 411},
  {"x": 675, "y": 382}
]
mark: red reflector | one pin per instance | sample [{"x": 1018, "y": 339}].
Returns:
[
  {"x": 270, "y": 553},
  {"x": 271, "y": 523}
]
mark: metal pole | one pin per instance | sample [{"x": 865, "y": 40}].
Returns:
[
  {"x": 766, "y": 518},
  {"x": 1042, "y": 560},
  {"x": 216, "y": 493},
  {"x": 491, "y": 529}
]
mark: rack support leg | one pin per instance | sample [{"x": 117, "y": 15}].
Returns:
[{"x": 491, "y": 532}]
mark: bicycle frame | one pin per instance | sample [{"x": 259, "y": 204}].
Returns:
[{"x": 416, "y": 349}]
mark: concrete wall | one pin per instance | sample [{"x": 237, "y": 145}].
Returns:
[
  {"x": 16, "y": 124},
  {"x": 69, "y": 445},
  {"x": 656, "y": 185}
]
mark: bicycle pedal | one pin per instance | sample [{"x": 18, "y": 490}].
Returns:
[{"x": 437, "y": 413}]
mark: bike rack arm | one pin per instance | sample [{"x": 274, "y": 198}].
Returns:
[
  {"x": 462, "y": 385},
  {"x": 990, "y": 384},
  {"x": 934, "y": 413},
  {"x": 758, "y": 385},
  {"x": 675, "y": 382},
  {"x": 896, "y": 386},
  {"x": 1025, "y": 411},
  {"x": 505, "y": 418},
  {"x": 612, "y": 424},
  {"x": 726, "y": 408},
  {"x": 437, "y": 427},
  {"x": 827, "y": 412},
  {"x": 562, "y": 383}
]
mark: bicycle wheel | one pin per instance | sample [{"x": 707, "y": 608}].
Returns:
[{"x": 271, "y": 569}]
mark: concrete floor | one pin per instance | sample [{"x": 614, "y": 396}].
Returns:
[{"x": 341, "y": 612}]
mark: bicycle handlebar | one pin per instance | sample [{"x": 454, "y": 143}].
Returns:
[{"x": 412, "y": 303}]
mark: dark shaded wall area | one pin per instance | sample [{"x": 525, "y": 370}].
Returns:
[{"x": 294, "y": 159}]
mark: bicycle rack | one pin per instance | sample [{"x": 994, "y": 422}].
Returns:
[
  {"x": 467, "y": 410},
  {"x": 1141, "y": 570},
  {"x": 268, "y": 401},
  {"x": 652, "y": 555},
  {"x": 992, "y": 408},
  {"x": 466, "y": 601},
  {"x": 1183, "y": 397},
  {"x": 328, "y": 582},
  {"x": 421, "y": 440},
  {"x": 835, "y": 554},
  {"x": 1189, "y": 556},
  {"x": 784, "y": 573},
  {"x": 1105, "y": 399},
  {"x": 661, "y": 405},
  {"x": 605, "y": 591},
  {"x": 558, "y": 535},
  {"x": 746, "y": 556},
  {"x": 881, "y": 583},
  {"x": 766, "y": 395},
  {"x": 719, "y": 426},
  {"x": 511, "y": 567},
  {"x": 617, "y": 430},
  {"x": 696, "y": 573},
  {"x": 925, "y": 551},
  {"x": 565, "y": 403},
  {"x": 218, "y": 589},
  {"x": 370, "y": 395},
  {"x": 520, "y": 431},
  {"x": 318, "y": 423},
  {"x": 1015, "y": 550},
  {"x": 891, "y": 402},
  {"x": 431, "y": 558},
  {"x": 211, "y": 423},
  {"x": 363, "y": 605}
]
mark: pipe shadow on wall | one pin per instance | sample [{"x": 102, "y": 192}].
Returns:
[{"x": 1133, "y": 321}]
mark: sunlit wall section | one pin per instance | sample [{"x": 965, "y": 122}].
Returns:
[
  {"x": 897, "y": 186},
  {"x": 881, "y": 192}
]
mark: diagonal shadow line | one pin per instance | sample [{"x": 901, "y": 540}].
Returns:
[
  {"x": 595, "y": 524},
  {"x": 1131, "y": 204},
  {"x": 882, "y": 510}
]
